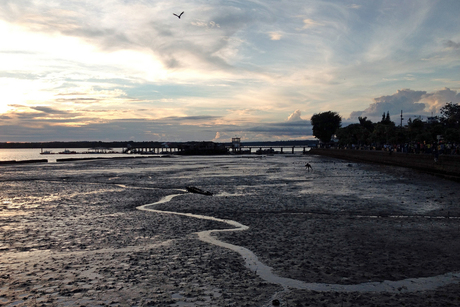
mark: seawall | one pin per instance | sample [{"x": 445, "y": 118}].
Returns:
[{"x": 448, "y": 166}]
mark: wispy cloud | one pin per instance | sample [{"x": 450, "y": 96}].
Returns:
[
  {"x": 275, "y": 36},
  {"x": 354, "y": 6},
  {"x": 310, "y": 23}
]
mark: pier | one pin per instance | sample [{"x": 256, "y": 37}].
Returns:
[
  {"x": 237, "y": 148},
  {"x": 267, "y": 149},
  {"x": 151, "y": 150}
]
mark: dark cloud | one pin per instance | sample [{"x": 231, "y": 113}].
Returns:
[
  {"x": 165, "y": 129},
  {"x": 298, "y": 123},
  {"x": 18, "y": 106},
  {"x": 41, "y": 115},
  {"x": 190, "y": 118},
  {"x": 452, "y": 45},
  {"x": 296, "y": 129},
  {"x": 48, "y": 110}
]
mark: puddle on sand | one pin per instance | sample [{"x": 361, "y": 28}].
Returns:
[
  {"x": 265, "y": 272},
  {"x": 4, "y": 213},
  {"x": 226, "y": 194}
]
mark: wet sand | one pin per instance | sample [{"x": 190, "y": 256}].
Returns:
[{"x": 71, "y": 234}]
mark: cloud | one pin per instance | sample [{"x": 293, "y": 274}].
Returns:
[
  {"x": 205, "y": 24},
  {"x": 295, "y": 116},
  {"x": 452, "y": 45},
  {"x": 106, "y": 25},
  {"x": 18, "y": 106},
  {"x": 217, "y": 137},
  {"x": 439, "y": 99},
  {"x": 38, "y": 126},
  {"x": 78, "y": 100},
  {"x": 200, "y": 118},
  {"x": 412, "y": 103},
  {"x": 48, "y": 110},
  {"x": 300, "y": 129},
  {"x": 275, "y": 36},
  {"x": 406, "y": 100},
  {"x": 309, "y": 23}
]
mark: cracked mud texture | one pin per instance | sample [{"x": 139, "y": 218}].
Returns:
[{"x": 71, "y": 234}]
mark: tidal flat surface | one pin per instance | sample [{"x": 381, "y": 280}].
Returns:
[{"x": 71, "y": 233}]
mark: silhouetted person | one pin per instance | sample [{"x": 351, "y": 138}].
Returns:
[
  {"x": 435, "y": 152},
  {"x": 308, "y": 167}
]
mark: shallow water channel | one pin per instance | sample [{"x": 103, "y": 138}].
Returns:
[{"x": 265, "y": 272}]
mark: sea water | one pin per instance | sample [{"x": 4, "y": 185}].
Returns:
[{"x": 24, "y": 154}]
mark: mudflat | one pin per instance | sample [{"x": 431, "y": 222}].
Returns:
[{"x": 72, "y": 234}]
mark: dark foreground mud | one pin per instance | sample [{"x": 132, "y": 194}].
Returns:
[{"x": 71, "y": 234}]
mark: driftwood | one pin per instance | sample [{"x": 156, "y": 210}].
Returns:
[{"x": 197, "y": 190}]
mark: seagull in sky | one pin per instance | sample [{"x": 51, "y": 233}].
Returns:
[{"x": 178, "y": 16}]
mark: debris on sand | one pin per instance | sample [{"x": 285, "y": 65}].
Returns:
[{"x": 197, "y": 190}]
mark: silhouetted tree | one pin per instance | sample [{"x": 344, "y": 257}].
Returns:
[
  {"x": 383, "y": 132},
  {"x": 386, "y": 118},
  {"x": 364, "y": 122},
  {"x": 353, "y": 134},
  {"x": 450, "y": 115},
  {"x": 452, "y": 135},
  {"x": 414, "y": 127},
  {"x": 325, "y": 125},
  {"x": 416, "y": 131}
]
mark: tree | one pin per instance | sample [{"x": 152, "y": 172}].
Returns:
[
  {"x": 353, "y": 134},
  {"x": 452, "y": 135},
  {"x": 450, "y": 115},
  {"x": 364, "y": 122},
  {"x": 325, "y": 125},
  {"x": 386, "y": 119},
  {"x": 415, "y": 128},
  {"x": 383, "y": 133}
]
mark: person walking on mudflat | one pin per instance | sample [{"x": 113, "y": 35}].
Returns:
[{"x": 308, "y": 167}]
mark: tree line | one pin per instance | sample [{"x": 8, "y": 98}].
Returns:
[{"x": 443, "y": 129}]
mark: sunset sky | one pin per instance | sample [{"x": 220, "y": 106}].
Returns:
[{"x": 130, "y": 70}]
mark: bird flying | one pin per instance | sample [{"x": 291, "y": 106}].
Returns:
[{"x": 178, "y": 16}]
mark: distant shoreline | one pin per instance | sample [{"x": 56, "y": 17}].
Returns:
[{"x": 156, "y": 144}]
